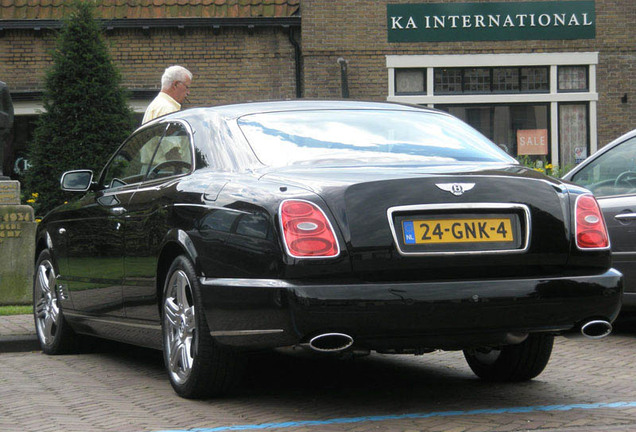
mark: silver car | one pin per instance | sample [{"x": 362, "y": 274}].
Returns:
[{"x": 610, "y": 174}]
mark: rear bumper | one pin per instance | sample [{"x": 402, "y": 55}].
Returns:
[
  {"x": 266, "y": 313},
  {"x": 629, "y": 302}
]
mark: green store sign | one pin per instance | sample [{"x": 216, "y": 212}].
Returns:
[{"x": 447, "y": 22}]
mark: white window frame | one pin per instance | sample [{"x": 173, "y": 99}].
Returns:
[{"x": 553, "y": 97}]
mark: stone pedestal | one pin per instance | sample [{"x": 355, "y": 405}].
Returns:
[{"x": 17, "y": 246}]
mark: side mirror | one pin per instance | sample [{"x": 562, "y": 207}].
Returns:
[{"x": 76, "y": 181}]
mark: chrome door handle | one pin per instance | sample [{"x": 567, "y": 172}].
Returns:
[
  {"x": 118, "y": 210},
  {"x": 625, "y": 216},
  {"x": 62, "y": 231}
]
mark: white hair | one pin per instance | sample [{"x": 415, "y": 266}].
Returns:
[{"x": 174, "y": 73}]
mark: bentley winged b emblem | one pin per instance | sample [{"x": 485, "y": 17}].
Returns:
[{"x": 456, "y": 189}]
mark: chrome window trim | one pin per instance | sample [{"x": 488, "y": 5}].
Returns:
[
  {"x": 188, "y": 129},
  {"x": 137, "y": 131},
  {"x": 165, "y": 123},
  {"x": 462, "y": 206},
  {"x": 211, "y": 207}
]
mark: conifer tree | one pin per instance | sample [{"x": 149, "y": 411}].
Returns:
[{"x": 87, "y": 114}]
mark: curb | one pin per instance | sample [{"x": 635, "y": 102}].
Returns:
[{"x": 19, "y": 343}]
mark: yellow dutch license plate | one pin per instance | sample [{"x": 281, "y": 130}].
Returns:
[{"x": 473, "y": 230}]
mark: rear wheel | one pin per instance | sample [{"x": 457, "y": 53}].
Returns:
[
  {"x": 197, "y": 366},
  {"x": 512, "y": 363},
  {"x": 53, "y": 332}
]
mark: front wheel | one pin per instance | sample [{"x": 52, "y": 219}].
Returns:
[
  {"x": 197, "y": 366},
  {"x": 53, "y": 332},
  {"x": 512, "y": 363}
]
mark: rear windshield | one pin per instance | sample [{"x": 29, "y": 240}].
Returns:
[{"x": 365, "y": 136}]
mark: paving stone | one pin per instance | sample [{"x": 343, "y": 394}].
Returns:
[{"x": 124, "y": 389}]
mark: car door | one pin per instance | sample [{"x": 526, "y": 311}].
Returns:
[
  {"x": 95, "y": 230},
  {"x": 149, "y": 218},
  {"x": 612, "y": 178}
]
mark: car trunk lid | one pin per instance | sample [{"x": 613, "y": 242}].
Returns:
[{"x": 404, "y": 223}]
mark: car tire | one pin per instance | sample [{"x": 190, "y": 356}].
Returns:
[
  {"x": 512, "y": 363},
  {"x": 53, "y": 331},
  {"x": 197, "y": 366}
]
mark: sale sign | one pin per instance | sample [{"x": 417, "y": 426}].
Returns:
[{"x": 532, "y": 142}]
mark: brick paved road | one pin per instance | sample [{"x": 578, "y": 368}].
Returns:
[{"x": 119, "y": 388}]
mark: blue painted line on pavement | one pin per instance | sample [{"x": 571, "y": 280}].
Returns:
[{"x": 512, "y": 410}]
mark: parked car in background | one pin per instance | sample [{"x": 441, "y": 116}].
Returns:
[
  {"x": 335, "y": 226},
  {"x": 610, "y": 174}
]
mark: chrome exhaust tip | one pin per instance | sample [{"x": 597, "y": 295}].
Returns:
[
  {"x": 596, "y": 329},
  {"x": 331, "y": 342},
  {"x": 513, "y": 338}
]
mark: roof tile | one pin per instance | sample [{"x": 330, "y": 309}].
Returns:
[{"x": 121, "y": 9}]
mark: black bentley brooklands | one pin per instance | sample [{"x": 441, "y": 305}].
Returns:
[{"x": 339, "y": 227}]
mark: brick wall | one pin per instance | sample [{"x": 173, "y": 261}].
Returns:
[
  {"x": 356, "y": 30},
  {"x": 24, "y": 56},
  {"x": 234, "y": 65},
  {"x": 229, "y": 67},
  {"x": 237, "y": 65}
]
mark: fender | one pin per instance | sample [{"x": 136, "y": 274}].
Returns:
[{"x": 181, "y": 239}]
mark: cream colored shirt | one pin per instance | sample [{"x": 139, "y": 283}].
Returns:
[{"x": 161, "y": 105}]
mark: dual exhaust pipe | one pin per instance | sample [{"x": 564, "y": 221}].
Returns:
[
  {"x": 592, "y": 329},
  {"x": 336, "y": 342},
  {"x": 596, "y": 329},
  {"x": 331, "y": 342}
]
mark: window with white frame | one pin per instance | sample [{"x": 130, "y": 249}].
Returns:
[{"x": 536, "y": 106}]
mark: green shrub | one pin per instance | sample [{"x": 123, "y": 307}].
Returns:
[
  {"x": 87, "y": 114},
  {"x": 542, "y": 165}
]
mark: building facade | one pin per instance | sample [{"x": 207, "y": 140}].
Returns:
[
  {"x": 545, "y": 80},
  {"x": 237, "y": 50}
]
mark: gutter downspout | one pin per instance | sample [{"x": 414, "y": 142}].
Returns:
[
  {"x": 297, "y": 63},
  {"x": 344, "y": 77}
]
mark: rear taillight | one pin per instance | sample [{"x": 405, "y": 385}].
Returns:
[
  {"x": 591, "y": 232},
  {"x": 307, "y": 232}
]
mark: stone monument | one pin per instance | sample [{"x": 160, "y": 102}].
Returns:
[{"x": 17, "y": 227}]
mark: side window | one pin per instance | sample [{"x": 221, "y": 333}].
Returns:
[
  {"x": 174, "y": 155},
  {"x": 132, "y": 161},
  {"x": 613, "y": 173}
]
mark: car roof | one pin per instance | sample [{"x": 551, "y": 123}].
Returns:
[{"x": 241, "y": 109}]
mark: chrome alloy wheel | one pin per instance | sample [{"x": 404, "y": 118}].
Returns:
[
  {"x": 179, "y": 326},
  {"x": 47, "y": 311}
]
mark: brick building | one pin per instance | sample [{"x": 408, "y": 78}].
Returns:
[{"x": 552, "y": 80}]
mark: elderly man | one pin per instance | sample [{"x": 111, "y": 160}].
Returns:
[{"x": 175, "y": 87}]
